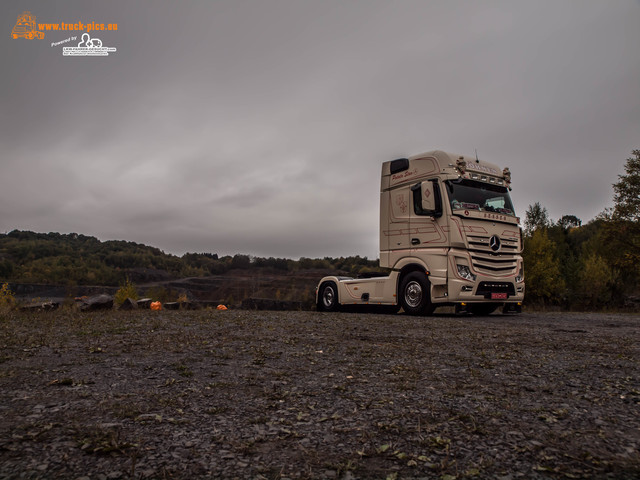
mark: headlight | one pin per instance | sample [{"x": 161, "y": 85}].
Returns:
[
  {"x": 520, "y": 276},
  {"x": 465, "y": 273}
]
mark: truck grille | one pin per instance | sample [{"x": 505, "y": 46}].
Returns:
[
  {"x": 487, "y": 262},
  {"x": 487, "y": 288}
]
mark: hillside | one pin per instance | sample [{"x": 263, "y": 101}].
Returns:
[
  {"x": 55, "y": 258},
  {"x": 62, "y": 265}
]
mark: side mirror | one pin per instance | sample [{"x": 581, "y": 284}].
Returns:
[
  {"x": 428, "y": 196},
  {"x": 426, "y": 199}
]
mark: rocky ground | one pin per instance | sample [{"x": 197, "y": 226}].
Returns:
[{"x": 271, "y": 395}]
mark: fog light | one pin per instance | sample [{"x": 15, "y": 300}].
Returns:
[{"x": 465, "y": 273}]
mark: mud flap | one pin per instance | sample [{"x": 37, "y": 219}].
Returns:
[{"x": 462, "y": 309}]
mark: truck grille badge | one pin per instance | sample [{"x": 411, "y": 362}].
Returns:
[{"x": 494, "y": 243}]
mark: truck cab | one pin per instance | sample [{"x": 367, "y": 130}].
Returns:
[
  {"x": 449, "y": 236},
  {"x": 26, "y": 27}
]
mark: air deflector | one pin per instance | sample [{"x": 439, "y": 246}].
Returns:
[{"x": 399, "y": 165}]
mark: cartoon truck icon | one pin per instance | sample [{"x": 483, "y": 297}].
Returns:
[{"x": 26, "y": 27}]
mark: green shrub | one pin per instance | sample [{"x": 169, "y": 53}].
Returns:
[
  {"x": 7, "y": 300},
  {"x": 128, "y": 290},
  {"x": 161, "y": 294}
]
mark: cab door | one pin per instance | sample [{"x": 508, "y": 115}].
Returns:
[{"x": 395, "y": 234}]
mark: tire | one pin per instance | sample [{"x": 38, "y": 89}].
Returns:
[
  {"x": 483, "y": 309},
  {"x": 415, "y": 294},
  {"x": 328, "y": 297}
]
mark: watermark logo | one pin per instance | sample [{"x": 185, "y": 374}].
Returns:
[
  {"x": 88, "y": 47},
  {"x": 26, "y": 27}
]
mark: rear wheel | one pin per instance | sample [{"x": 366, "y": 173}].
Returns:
[
  {"x": 415, "y": 296},
  {"x": 328, "y": 297}
]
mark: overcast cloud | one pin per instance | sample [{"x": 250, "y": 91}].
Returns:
[{"x": 259, "y": 126}]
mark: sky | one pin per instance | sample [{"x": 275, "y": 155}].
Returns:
[{"x": 260, "y": 126}]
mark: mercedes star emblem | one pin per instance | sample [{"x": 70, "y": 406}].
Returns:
[{"x": 494, "y": 243}]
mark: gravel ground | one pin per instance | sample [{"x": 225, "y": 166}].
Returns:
[{"x": 271, "y": 395}]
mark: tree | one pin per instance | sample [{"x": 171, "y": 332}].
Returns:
[
  {"x": 596, "y": 278},
  {"x": 241, "y": 261},
  {"x": 542, "y": 269},
  {"x": 627, "y": 191},
  {"x": 622, "y": 227},
  {"x": 567, "y": 222},
  {"x": 536, "y": 218}
]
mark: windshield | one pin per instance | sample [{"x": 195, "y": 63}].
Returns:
[{"x": 469, "y": 195}]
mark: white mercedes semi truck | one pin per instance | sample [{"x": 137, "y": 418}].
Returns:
[{"x": 449, "y": 236}]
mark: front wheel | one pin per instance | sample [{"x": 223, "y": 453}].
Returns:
[
  {"x": 328, "y": 297},
  {"x": 415, "y": 295}
]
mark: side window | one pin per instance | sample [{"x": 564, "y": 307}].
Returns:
[{"x": 427, "y": 200}]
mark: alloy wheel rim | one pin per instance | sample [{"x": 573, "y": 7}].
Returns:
[
  {"x": 413, "y": 294},
  {"x": 328, "y": 297}
]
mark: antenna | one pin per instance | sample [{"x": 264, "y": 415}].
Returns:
[{"x": 477, "y": 161}]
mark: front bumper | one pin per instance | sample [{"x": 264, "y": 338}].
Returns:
[{"x": 485, "y": 289}]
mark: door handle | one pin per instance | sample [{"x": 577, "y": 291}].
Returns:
[{"x": 415, "y": 241}]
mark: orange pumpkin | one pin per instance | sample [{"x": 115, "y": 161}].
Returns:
[
  {"x": 156, "y": 306},
  {"x": 221, "y": 307}
]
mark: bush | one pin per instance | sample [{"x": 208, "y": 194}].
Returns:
[
  {"x": 7, "y": 300},
  {"x": 128, "y": 290},
  {"x": 161, "y": 294}
]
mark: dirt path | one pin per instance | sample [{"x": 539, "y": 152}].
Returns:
[{"x": 240, "y": 394}]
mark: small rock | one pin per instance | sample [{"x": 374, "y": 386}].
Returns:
[
  {"x": 44, "y": 306},
  {"x": 96, "y": 302},
  {"x": 144, "y": 303},
  {"x": 148, "y": 417},
  {"x": 128, "y": 304}
]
